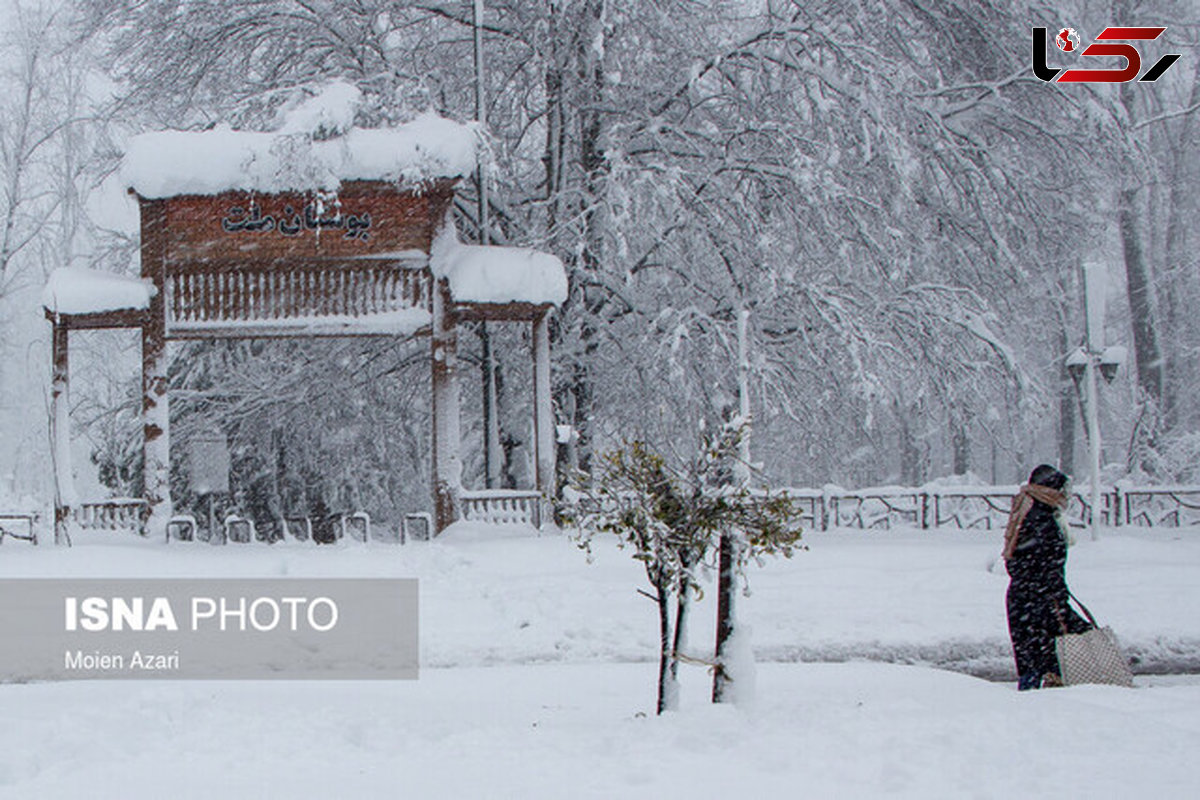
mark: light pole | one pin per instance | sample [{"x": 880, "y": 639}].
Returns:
[
  {"x": 1083, "y": 364},
  {"x": 491, "y": 410}
]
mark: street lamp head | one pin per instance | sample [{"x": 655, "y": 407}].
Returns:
[
  {"x": 1110, "y": 361},
  {"x": 1076, "y": 364}
]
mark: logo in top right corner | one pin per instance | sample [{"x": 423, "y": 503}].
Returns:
[{"x": 1112, "y": 41}]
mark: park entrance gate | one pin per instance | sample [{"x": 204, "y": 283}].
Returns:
[{"x": 243, "y": 264}]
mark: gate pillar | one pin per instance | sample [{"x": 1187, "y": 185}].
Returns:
[{"x": 447, "y": 466}]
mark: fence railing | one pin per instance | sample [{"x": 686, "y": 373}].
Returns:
[
  {"x": 964, "y": 508},
  {"x": 503, "y": 507},
  {"x": 280, "y": 293},
  {"x": 19, "y": 525},
  {"x": 1171, "y": 506},
  {"x": 121, "y": 513},
  {"x": 986, "y": 507},
  {"x": 495, "y": 507}
]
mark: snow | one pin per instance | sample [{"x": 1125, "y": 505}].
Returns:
[
  {"x": 329, "y": 112},
  {"x": 168, "y": 163},
  {"x": 77, "y": 290},
  {"x": 552, "y": 731},
  {"x": 538, "y": 673},
  {"x": 486, "y": 494},
  {"x": 742, "y": 686},
  {"x": 492, "y": 274}
]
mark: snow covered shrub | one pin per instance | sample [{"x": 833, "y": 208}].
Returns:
[
  {"x": 671, "y": 517},
  {"x": 1179, "y": 459}
]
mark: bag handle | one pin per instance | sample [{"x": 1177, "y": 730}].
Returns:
[{"x": 1083, "y": 608}]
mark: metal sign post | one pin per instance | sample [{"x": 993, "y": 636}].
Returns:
[{"x": 208, "y": 463}]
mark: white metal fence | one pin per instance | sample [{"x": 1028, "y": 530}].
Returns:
[{"x": 986, "y": 507}]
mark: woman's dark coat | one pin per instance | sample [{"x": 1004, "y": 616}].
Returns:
[{"x": 1037, "y": 595}]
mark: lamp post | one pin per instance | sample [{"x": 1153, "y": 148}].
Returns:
[
  {"x": 1083, "y": 365},
  {"x": 491, "y": 410}
]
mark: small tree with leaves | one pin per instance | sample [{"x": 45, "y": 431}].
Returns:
[{"x": 670, "y": 515}]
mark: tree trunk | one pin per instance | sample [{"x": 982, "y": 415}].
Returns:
[
  {"x": 727, "y": 566},
  {"x": 1139, "y": 280},
  {"x": 911, "y": 467},
  {"x": 1140, "y": 285},
  {"x": 552, "y": 155},
  {"x": 961, "y": 446},
  {"x": 668, "y": 696},
  {"x": 726, "y": 582},
  {"x": 1175, "y": 250},
  {"x": 594, "y": 161},
  {"x": 493, "y": 454},
  {"x": 1067, "y": 397},
  {"x": 682, "y": 605}
]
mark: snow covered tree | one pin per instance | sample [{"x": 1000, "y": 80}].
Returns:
[
  {"x": 46, "y": 155},
  {"x": 898, "y": 213}
]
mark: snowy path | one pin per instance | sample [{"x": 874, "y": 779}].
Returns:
[{"x": 492, "y": 597}]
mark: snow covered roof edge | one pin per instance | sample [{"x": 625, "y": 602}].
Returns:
[
  {"x": 170, "y": 163},
  {"x": 76, "y": 290},
  {"x": 493, "y": 274}
]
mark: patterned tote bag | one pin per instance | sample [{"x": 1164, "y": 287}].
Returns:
[{"x": 1093, "y": 656}]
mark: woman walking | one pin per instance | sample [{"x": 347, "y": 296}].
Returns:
[{"x": 1035, "y": 554}]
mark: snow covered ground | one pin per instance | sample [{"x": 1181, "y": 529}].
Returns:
[{"x": 537, "y": 681}]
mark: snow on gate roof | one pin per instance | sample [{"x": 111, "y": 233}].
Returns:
[
  {"x": 171, "y": 163},
  {"x": 75, "y": 290},
  {"x": 492, "y": 274},
  {"x": 481, "y": 274},
  {"x": 317, "y": 148}
]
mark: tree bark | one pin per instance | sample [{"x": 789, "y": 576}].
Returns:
[
  {"x": 667, "y": 696},
  {"x": 1067, "y": 408},
  {"x": 912, "y": 472},
  {"x": 961, "y": 446},
  {"x": 1139, "y": 280},
  {"x": 594, "y": 162},
  {"x": 726, "y": 581},
  {"x": 493, "y": 453},
  {"x": 1175, "y": 249},
  {"x": 727, "y": 548},
  {"x": 679, "y": 642}
]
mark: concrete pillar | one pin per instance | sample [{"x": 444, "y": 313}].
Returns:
[
  {"x": 447, "y": 466},
  {"x": 156, "y": 441},
  {"x": 60, "y": 409},
  {"x": 543, "y": 414}
]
